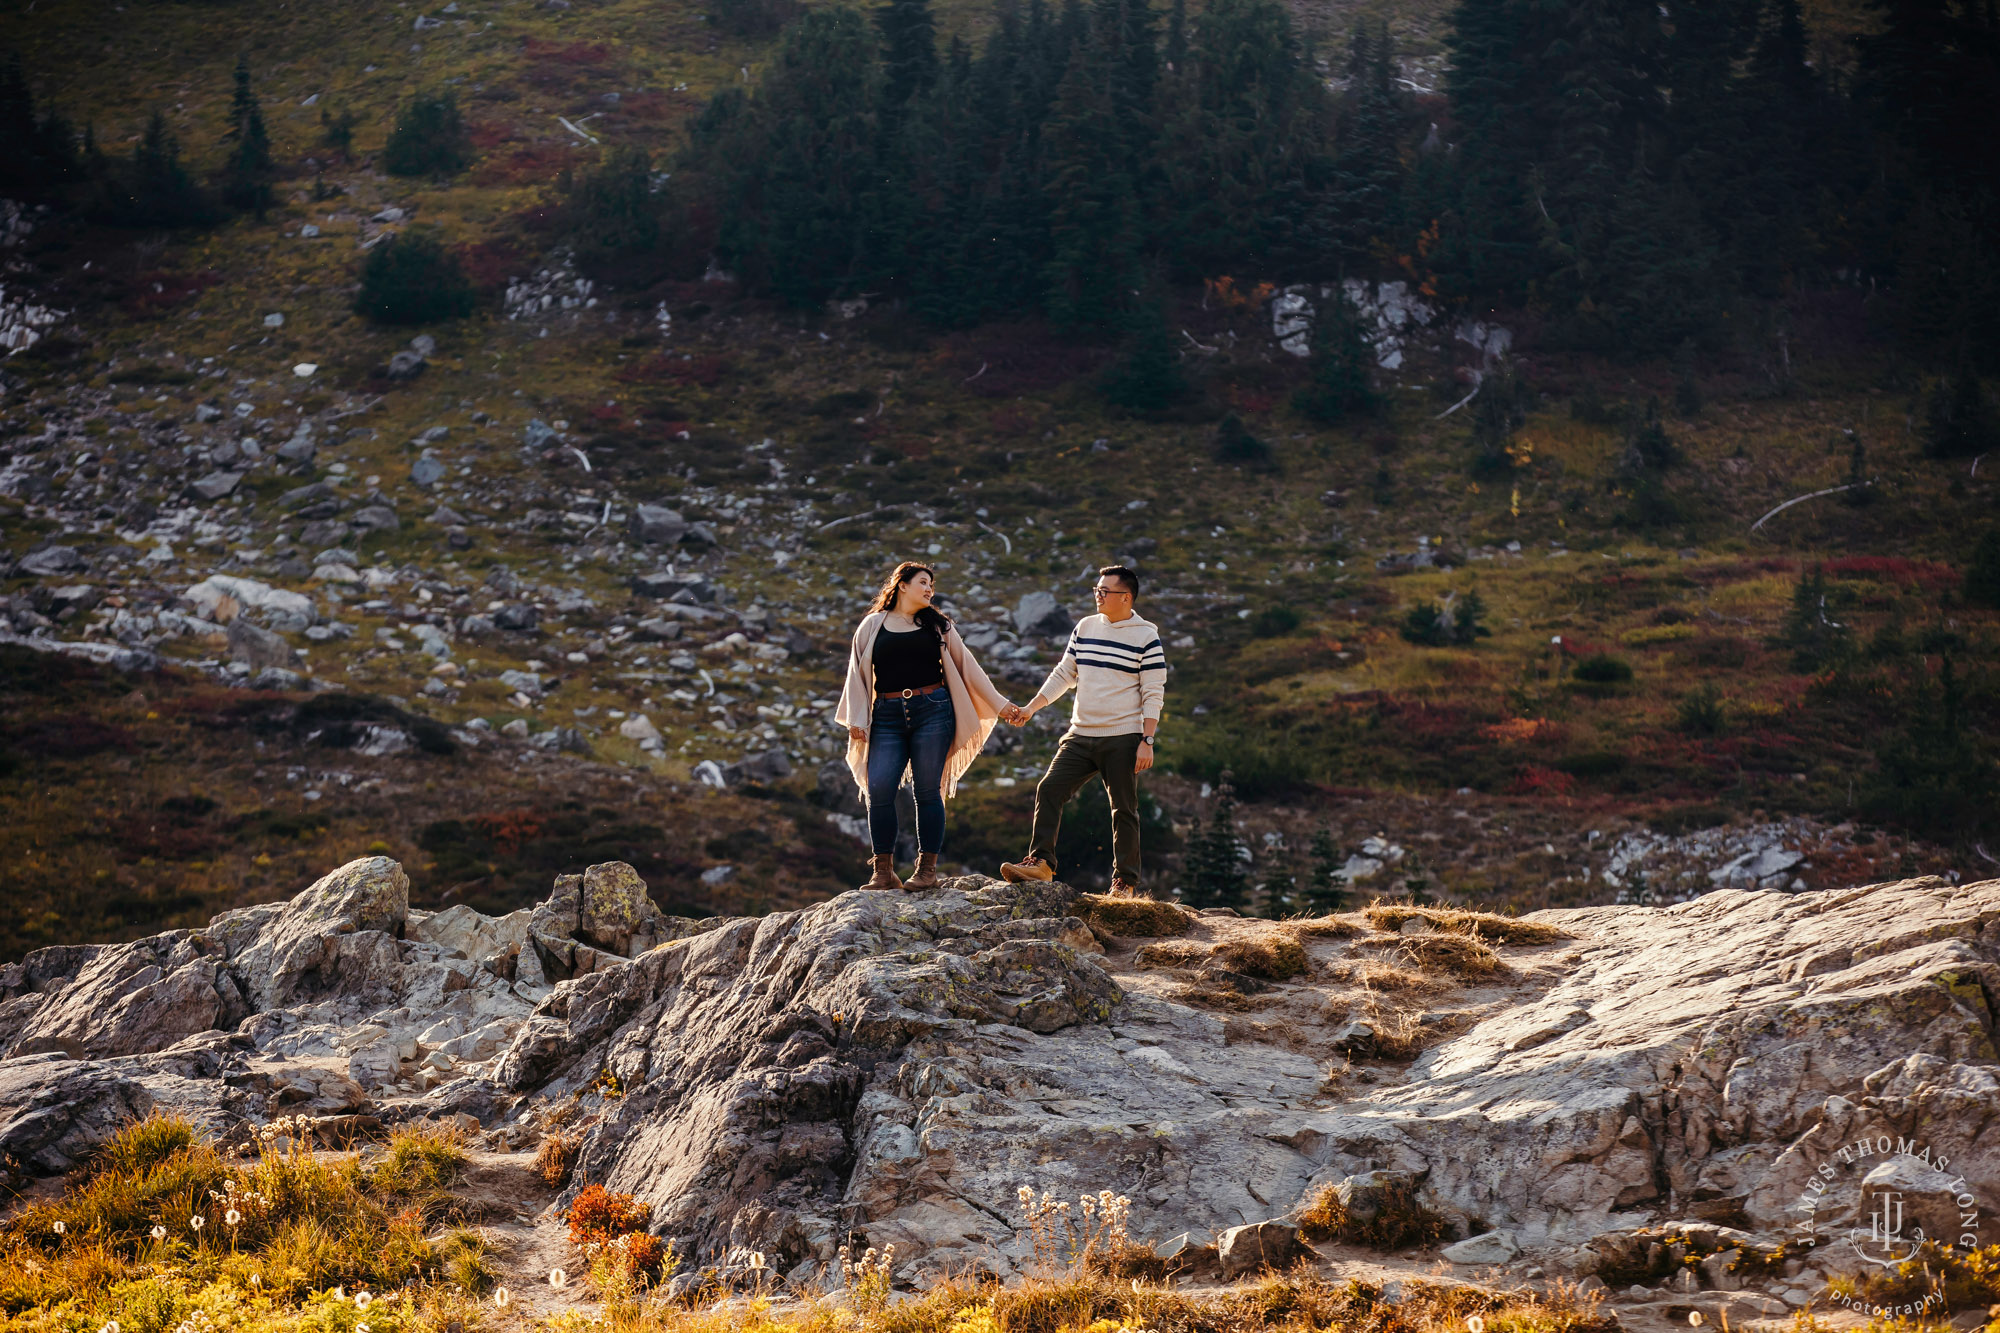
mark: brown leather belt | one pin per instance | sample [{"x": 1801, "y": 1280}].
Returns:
[{"x": 909, "y": 694}]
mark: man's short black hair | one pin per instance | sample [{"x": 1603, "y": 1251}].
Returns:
[{"x": 1129, "y": 576}]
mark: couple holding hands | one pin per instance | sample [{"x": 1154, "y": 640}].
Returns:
[{"x": 917, "y": 701}]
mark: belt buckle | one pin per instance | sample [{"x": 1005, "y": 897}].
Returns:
[{"x": 909, "y": 694}]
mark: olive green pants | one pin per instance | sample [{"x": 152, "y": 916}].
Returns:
[{"x": 1079, "y": 759}]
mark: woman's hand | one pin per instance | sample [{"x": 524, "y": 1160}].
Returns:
[{"x": 857, "y": 733}]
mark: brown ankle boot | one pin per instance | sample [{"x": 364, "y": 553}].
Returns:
[
  {"x": 926, "y": 876},
  {"x": 885, "y": 873}
]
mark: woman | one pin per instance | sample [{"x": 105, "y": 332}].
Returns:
[{"x": 915, "y": 699}]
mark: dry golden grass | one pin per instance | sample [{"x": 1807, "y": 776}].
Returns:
[
  {"x": 1325, "y": 927},
  {"x": 327, "y": 1230},
  {"x": 1275, "y": 956},
  {"x": 1483, "y": 925},
  {"x": 556, "y": 1158},
  {"x": 1172, "y": 953},
  {"x": 1459, "y": 955},
  {"x": 1388, "y": 977},
  {"x": 1127, "y": 916},
  {"x": 1395, "y": 1221}
]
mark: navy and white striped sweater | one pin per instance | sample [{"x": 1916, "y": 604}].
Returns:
[{"x": 1119, "y": 671}]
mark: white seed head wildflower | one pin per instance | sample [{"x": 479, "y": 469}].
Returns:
[
  {"x": 558, "y": 1279},
  {"x": 363, "y": 1299},
  {"x": 361, "y": 1328},
  {"x": 1694, "y": 1319},
  {"x": 110, "y": 1326},
  {"x": 757, "y": 1259},
  {"x": 196, "y": 1221},
  {"x": 501, "y": 1296},
  {"x": 232, "y": 1217},
  {"x": 256, "y": 1279},
  {"x": 61, "y": 1227},
  {"x": 339, "y": 1293},
  {"x": 159, "y": 1232},
  {"x": 1475, "y": 1325}
]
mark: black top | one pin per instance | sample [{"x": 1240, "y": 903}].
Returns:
[{"x": 909, "y": 660}]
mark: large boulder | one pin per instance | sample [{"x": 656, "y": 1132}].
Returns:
[
  {"x": 55, "y": 1111},
  {"x": 1259, "y": 1247},
  {"x": 337, "y": 936}
]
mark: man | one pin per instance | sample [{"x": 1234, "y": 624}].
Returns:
[{"x": 1115, "y": 662}]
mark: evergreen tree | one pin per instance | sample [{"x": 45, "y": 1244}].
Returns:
[
  {"x": 1368, "y": 172},
  {"x": 909, "y": 50},
  {"x": 1177, "y": 45},
  {"x": 1235, "y": 445},
  {"x": 796, "y": 162},
  {"x": 35, "y": 153},
  {"x": 247, "y": 172},
  {"x": 429, "y": 138},
  {"x": 412, "y": 279},
  {"x": 1215, "y": 865},
  {"x": 1243, "y": 145},
  {"x": 1280, "y": 889},
  {"x": 337, "y": 131},
  {"x": 1148, "y": 377},
  {"x": 153, "y": 189},
  {"x": 1326, "y": 891},
  {"x": 1958, "y": 420},
  {"x": 612, "y": 211},
  {"x": 1647, "y": 447},
  {"x": 1816, "y": 639},
  {"x": 1339, "y": 386},
  {"x": 1498, "y": 409},
  {"x": 1093, "y": 214},
  {"x": 1982, "y": 574},
  {"x": 1934, "y": 777},
  {"x": 1687, "y": 392}
]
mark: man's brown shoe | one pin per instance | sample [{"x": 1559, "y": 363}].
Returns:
[
  {"x": 926, "y": 873},
  {"x": 1028, "y": 868},
  {"x": 885, "y": 873},
  {"x": 1125, "y": 888}
]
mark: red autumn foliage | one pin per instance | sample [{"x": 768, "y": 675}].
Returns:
[
  {"x": 1929, "y": 575},
  {"x": 596, "y": 1214},
  {"x": 155, "y": 293},
  {"x": 509, "y": 829},
  {"x": 1534, "y": 780},
  {"x": 671, "y": 369}
]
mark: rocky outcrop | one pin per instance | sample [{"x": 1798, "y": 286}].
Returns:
[{"x": 895, "y": 1067}]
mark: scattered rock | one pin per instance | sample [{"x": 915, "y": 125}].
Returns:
[
  {"x": 256, "y": 647},
  {"x": 1041, "y": 615},
  {"x": 405, "y": 365},
  {"x": 657, "y": 525},
  {"x": 426, "y": 472},
  {"x": 1258, "y": 1247},
  {"x": 220, "y": 596},
  {"x": 51, "y": 561},
  {"x": 376, "y": 518},
  {"x": 1489, "y": 1247}
]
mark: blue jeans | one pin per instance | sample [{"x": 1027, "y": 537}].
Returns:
[{"x": 914, "y": 733}]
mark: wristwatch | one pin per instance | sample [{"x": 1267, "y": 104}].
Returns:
[{"x": 1147, "y": 740}]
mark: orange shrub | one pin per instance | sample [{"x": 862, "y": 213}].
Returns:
[{"x": 599, "y": 1215}]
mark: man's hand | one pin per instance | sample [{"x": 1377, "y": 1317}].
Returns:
[
  {"x": 857, "y": 733},
  {"x": 1145, "y": 759}
]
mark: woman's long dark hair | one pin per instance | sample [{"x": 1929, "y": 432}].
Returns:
[{"x": 932, "y": 619}]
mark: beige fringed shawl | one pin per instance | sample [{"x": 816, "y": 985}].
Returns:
[{"x": 975, "y": 704}]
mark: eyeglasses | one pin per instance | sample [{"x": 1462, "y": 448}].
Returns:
[{"x": 1101, "y": 591}]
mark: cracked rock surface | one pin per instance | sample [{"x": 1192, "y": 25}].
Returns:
[{"x": 894, "y": 1067}]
